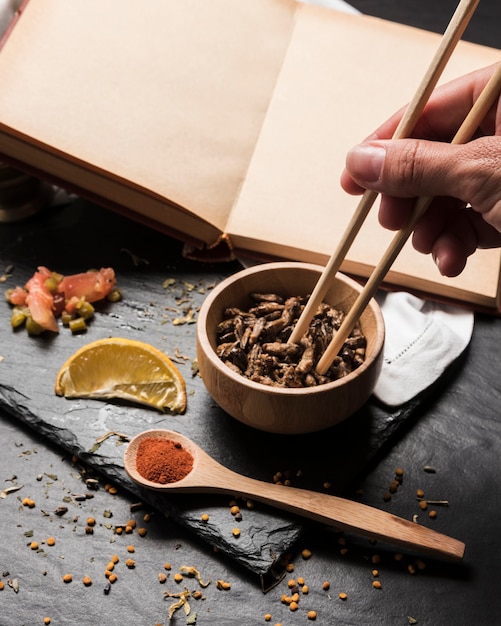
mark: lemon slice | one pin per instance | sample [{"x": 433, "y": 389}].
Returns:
[{"x": 123, "y": 369}]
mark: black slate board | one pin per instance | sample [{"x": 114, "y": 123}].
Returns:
[{"x": 78, "y": 236}]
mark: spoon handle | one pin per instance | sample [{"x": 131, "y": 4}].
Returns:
[{"x": 342, "y": 513}]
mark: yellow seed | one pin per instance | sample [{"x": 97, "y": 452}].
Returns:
[
  {"x": 119, "y": 530},
  {"x": 411, "y": 569},
  {"x": 197, "y": 594},
  {"x": 130, "y": 563},
  {"x": 236, "y": 532},
  {"x": 34, "y": 545},
  {"x": 432, "y": 514},
  {"x": 326, "y": 585},
  {"x": 89, "y": 530},
  {"x": 289, "y": 567},
  {"x": 399, "y": 471},
  {"x": 178, "y": 577},
  {"x": 87, "y": 581},
  {"x": 128, "y": 529},
  {"x": 306, "y": 554},
  {"x": 235, "y": 510},
  {"x": 312, "y": 615},
  {"x": 113, "y": 578},
  {"x": 250, "y": 504},
  {"x": 107, "y": 573},
  {"x": 162, "y": 577},
  {"x": 300, "y": 580},
  {"x": 46, "y": 620},
  {"x": 51, "y": 541},
  {"x": 205, "y": 517},
  {"x": 343, "y": 596},
  {"x": 1, "y": 585},
  {"x": 142, "y": 532},
  {"x": 115, "y": 558},
  {"x": 423, "y": 505},
  {"x": 291, "y": 583},
  {"x": 420, "y": 493},
  {"x": 267, "y": 617},
  {"x": 146, "y": 517},
  {"x": 293, "y": 606},
  {"x": 343, "y": 551},
  {"x": 131, "y": 523},
  {"x": 375, "y": 559},
  {"x": 131, "y": 549},
  {"x": 305, "y": 589},
  {"x": 113, "y": 491},
  {"x": 295, "y": 597},
  {"x": 167, "y": 566},
  {"x": 377, "y": 584},
  {"x": 110, "y": 567},
  {"x": 375, "y": 573},
  {"x": 67, "y": 578}
]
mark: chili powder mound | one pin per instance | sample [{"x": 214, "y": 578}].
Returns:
[{"x": 163, "y": 460}]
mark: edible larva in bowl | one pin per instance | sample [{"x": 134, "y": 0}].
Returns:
[{"x": 280, "y": 408}]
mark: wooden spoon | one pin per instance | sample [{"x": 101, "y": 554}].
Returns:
[{"x": 209, "y": 476}]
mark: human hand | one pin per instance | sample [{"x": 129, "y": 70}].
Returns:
[{"x": 465, "y": 180}]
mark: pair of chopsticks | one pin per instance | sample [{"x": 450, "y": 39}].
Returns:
[{"x": 452, "y": 35}]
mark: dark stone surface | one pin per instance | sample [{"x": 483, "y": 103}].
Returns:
[{"x": 78, "y": 236}]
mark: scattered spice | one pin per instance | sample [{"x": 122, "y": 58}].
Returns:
[{"x": 163, "y": 460}]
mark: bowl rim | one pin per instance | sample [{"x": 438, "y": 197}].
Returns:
[{"x": 279, "y": 391}]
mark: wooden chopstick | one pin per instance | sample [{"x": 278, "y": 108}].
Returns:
[
  {"x": 452, "y": 35},
  {"x": 478, "y": 112}
]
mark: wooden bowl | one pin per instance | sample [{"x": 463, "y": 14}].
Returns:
[{"x": 286, "y": 410}]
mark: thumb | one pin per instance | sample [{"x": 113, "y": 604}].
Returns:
[{"x": 413, "y": 167}]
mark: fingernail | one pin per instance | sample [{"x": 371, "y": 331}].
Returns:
[{"x": 365, "y": 162}]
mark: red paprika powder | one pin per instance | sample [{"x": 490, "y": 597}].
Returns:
[{"x": 163, "y": 460}]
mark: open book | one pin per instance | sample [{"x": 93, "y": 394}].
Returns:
[{"x": 223, "y": 118}]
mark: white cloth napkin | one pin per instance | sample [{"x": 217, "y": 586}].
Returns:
[{"x": 422, "y": 339}]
